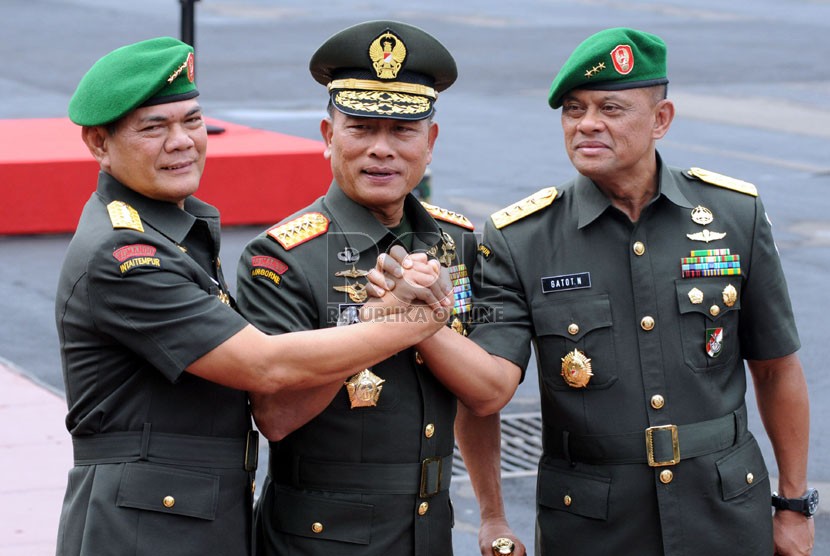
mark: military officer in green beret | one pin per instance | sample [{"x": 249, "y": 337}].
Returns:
[
  {"x": 156, "y": 361},
  {"x": 364, "y": 466},
  {"x": 653, "y": 284}
]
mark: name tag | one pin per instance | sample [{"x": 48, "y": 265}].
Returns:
[{"x": 564, "y": 282}]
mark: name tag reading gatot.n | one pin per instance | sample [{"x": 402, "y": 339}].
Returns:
[{"x": 564, "y": 282}]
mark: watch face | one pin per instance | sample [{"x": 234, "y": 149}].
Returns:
[{"x": 812, "y": 501}]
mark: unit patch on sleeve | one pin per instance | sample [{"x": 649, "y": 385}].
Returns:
[
  {"x": 299, "y": 230},
  {"x": 525, "y": 207},
  {"x": 269, "y": 268},
  {"x": 136, "y": 255}
]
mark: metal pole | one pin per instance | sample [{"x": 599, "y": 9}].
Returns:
[{"x": 188, "y": 26}]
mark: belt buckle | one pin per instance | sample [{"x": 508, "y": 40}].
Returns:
[
  {"x": 425, "y": 467},
  {"x": 251, "y": 450},
  {"x": 675, "y": 446}
]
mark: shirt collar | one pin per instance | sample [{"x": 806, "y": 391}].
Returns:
[
  {"x": 366, "y": 232},
  {"x": 164, "y": 216},
  {"x": 592, "y": 202}
]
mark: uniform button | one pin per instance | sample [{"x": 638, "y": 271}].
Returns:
[
  {"x": 422, "y": 509},
  {"x": 639, "y": 248},
  {"x": 573, "y": 329},
  {"x": 253, "y": 487},
  {"x": 714, "y": 310},
  {"x": 316, "y": 527},
  {"x": 657, "y": 401},
  {"x": 750, "y": 478},
  {"x": 666, "y": 476},
  {"x": 429, "y": 430},
  {"x": 168, "y": 501},
  {"x": 647, "y": 323},
  {"x": 418, "y": 359},
  {"x": 567, "y": 500}
]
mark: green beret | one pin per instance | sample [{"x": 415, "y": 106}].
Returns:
[
  {"x": 384, "y": 69},
  {"x": 155, "y": 71},
  {"x": 612, "y": 60}
]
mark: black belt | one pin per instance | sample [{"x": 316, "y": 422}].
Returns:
[
  {"x": 177, "y": 449},
  {"x": 657, "y": 446},
  {"x": 425, "y": 479}
]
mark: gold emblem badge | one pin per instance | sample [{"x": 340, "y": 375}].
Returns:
[
  {"x": 576, "y": 369},
  {"x": 730, "y": 295},
  {"x": 695, "y": 296},
  {"x": 387, "y": 53},
  {"x": 364, "y": 389},
  {"x": 702, "y": 215},
  {"x": 458, "y": 327},
  {"x": 357, "y": 292},
  {"x": 352, "y": 273},
  {"x": 706, "y": 235},
  {"x": 224, "y": 298},
  {"x": 447, "y": 250}
]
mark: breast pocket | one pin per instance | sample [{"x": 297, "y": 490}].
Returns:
[
  {"x": 709, "y": 318},
  {"x": 583, "y": 324}
]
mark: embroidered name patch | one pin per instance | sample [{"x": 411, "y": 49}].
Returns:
[{"x": 564, "y": 282}]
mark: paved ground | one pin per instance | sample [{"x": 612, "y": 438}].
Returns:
[{"x": 749, "y": 79}]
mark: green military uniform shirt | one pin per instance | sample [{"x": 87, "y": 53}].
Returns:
[
  {"x": 642, "y": 346},
  {"x": 159, "y": 453},
  {"x": 355, "y": 472}
]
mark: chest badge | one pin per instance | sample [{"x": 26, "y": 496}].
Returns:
[
  {"x": 364, "y": 389},
  {"x": 714, "y": 341},
  {"x": 730, "y": 295},
  {"x": 702, "y": 215},
  {"x": 576, "y": 369},
  {"x": 357, "y": 291}
]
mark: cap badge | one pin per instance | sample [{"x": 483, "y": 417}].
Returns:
[
  {"x": 623, "y": 59},
  {"x": 702, "y": 215},
  {"x": 188, "y": 65},
  {"x": 576, "y": 369},
  {"x": 387, "y": 53},
  {"x": 364, "y": 389}
]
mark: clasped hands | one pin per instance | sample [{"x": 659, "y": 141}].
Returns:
[{"x": 403, "y": 282}]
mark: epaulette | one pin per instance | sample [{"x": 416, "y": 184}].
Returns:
[
  {"x": 299, "y": 230},
  {"x": 722, "y": 181},
  {"x": 448, "y": 216},
  {"x": 124, "y": 216},
  {"x": 526, "y": 206}
]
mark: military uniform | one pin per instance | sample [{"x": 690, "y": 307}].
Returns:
[
  {"x": 160, "y": 455},
  {"x": 638, "y": 328},
  {"x": 164, "y": 460},
  {"x": 368, "y": 480}
]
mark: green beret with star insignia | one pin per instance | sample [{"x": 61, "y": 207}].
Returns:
[
  {"x": 612, "y": 60},
  {"x": 384, "y": 69},
  {"x": 146, "y": 73}
]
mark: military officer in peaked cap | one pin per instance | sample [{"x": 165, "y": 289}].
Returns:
[
  {"x": 651, "y": 288},
  {"x": 364, "y": 467},
  {"x": 156, "y": 361}
]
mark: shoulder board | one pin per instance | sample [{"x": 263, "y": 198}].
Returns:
[
  {"x": 299, "y": 230},
  {"x": 520, "y": 209},
  {"x": 124, "y": 216},
  {"x": 722, "y": 181},
  {"x": 448, "y": 216}
]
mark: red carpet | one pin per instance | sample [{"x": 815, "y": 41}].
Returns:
[{"x": 253, "y": 176}]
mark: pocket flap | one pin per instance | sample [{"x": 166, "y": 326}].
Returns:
[
  {"x": 322, "y": 517},
  {"x": 588, "y": 313},
  {"x": 700, "y": 295},
  {"x": 165, "y": 489},
  {"x": 574, "y": 492},
  {"x": 741, "y": 470}
]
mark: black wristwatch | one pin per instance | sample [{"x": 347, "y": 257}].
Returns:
[{"x": 807, "y": 504}]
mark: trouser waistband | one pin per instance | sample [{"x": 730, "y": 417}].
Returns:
[
  {"x": 657, "y": 446},
  {"x": 178, "y": 449},
  {"x": 426, "y": 478}
]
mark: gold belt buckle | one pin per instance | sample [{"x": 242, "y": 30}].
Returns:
[
  {"x": 425, "y": 465},
  {"x": 675, "y": 446}
]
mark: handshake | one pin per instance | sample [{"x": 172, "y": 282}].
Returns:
[{"x": 408, "y": 284}]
